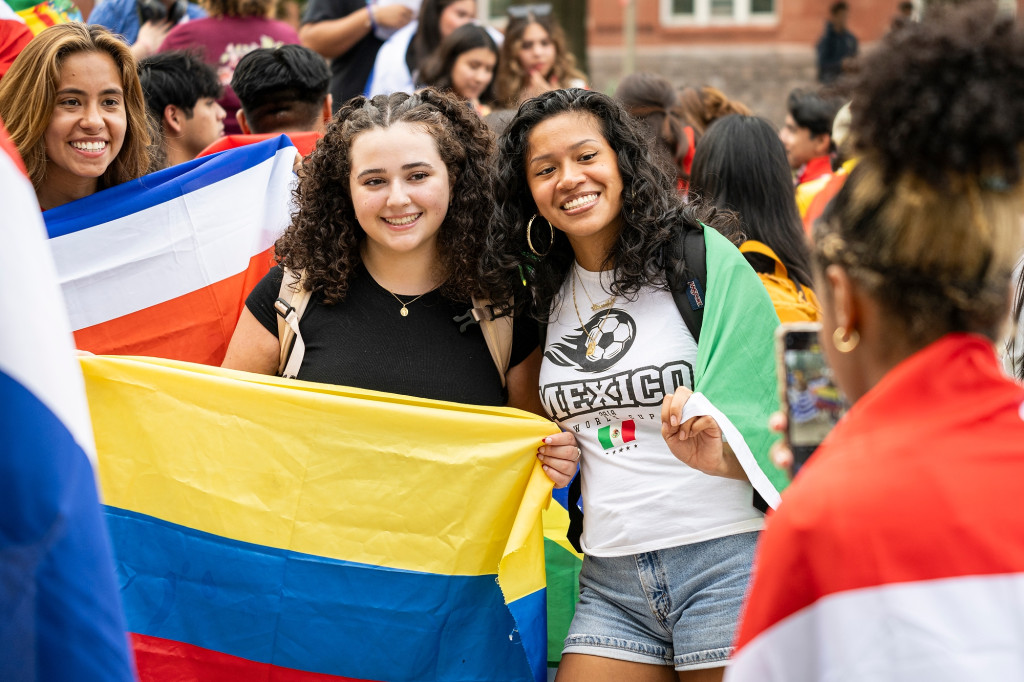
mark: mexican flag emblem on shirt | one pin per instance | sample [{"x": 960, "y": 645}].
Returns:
[{"x": 614, "y": 435}]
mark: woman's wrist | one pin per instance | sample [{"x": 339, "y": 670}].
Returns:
[{"x": 369, "y": 13}]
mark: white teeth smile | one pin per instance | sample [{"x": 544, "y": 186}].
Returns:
[
  {"x": 89, "y": 146},
  {"x": 579, "y": 201},
  {"x": 398, "y": 222}
]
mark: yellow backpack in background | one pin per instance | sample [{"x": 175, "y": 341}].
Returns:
[{"x": 793, "y": 303}]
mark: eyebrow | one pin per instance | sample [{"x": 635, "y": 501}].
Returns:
[
  {"x": 543, "y": 157},
  {"x": 406, "y": 167},
  {"x": 78, "y": 91}
]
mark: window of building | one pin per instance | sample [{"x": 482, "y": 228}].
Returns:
[{"x": 705, "y": 12}]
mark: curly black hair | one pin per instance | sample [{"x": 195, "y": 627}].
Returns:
[
  {"x": 929, "y": 221},
  {"x": 652, "y": 212},
  {"x": 324, "y": 236}
]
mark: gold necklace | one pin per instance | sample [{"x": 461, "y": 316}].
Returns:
[
  {"x": 593, "y": 306},
  {"x": 591, "y": 338},
  {"x": 405, "y": 309}
]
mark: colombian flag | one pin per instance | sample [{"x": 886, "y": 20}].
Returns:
[
  {"x": 267, "y": 529},
  {"x": 60, "y": 616},
  {"x": 161, "y": 267}
]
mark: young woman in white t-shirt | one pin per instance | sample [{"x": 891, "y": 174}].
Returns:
[{"x": 668, "y": 544}]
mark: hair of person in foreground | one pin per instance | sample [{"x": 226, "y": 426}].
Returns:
[{"x": 929, "y": 223}]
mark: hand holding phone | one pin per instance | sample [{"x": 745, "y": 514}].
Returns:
[{"x": 810, "y": 399}]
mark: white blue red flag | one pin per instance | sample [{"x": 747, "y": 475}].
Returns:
[
  {"x": 60, "y": 613},
  {"x": 161, "y": 266}
]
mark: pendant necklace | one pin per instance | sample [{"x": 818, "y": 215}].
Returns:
[
  {"x": 405, "y": 306},
  {"x": 592, "y": 337}
]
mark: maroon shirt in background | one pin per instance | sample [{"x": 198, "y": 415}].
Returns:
[{"x": 222, "y": 42}]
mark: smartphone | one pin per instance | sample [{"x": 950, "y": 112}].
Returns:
[{"x": 811, "y": 400}]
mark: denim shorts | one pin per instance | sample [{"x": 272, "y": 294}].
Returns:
[{"x": 677, "y": 606}]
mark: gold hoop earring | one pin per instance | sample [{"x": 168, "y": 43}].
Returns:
[
  {"x": 842, "y": 343},
  {"x": 529, "y": 241}
]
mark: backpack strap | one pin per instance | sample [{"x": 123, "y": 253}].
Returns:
[
  {"x": 687, "y": 273},
  {"x": 292, "y": 299},
  {"x": 497, "y": 331},
  {"x": 754, "y": 246},
  {"x": 686, "y": 270}
]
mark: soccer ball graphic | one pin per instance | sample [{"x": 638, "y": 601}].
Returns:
[{"x": 612, "y": 340}]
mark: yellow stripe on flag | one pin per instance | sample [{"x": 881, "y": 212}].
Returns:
[{"x": 331, "y": 471}]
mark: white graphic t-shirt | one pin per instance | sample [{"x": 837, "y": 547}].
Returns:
[{"x": 608, "y": 364}]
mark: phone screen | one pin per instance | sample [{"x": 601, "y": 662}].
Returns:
[{"x": 813, "y": 402}]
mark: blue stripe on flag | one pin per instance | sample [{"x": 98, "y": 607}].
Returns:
[
  {"x": 531, "y": 617},
  {"x": 312, "y": 613},
  {"x": 150, "y": 190},
  {"x": 59, "y": 613}
]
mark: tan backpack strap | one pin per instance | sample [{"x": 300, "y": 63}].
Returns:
[
  {"x": 754, "y": 246},
  {"x": 291, "y": 303},
  {"x": 497, "y": 333}
]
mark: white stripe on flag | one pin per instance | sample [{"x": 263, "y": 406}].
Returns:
[
  {"x": 36, "y": 348},
  {"x": 949, "y": 630},
  {"x": 176, "y": 247},
  {"x": 698, "y": 405}
]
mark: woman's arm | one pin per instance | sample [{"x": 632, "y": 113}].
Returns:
[
  {"x": 697, "y": 442},
  {"x": 252, "y": 348},
  {"x": 334, "y": 37},
  {"x": 522, "y": 381}
]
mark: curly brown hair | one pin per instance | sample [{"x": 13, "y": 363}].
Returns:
[
  {"x": 511, "y": 77},
  {"x": 324, "y": 237},
  {"x": 929, "y": 222}
]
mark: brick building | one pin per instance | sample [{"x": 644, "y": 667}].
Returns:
[{"x": 756, "y": 51}]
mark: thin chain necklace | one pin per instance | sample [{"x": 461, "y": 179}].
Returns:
[
  {"x": 405, "y": 305},
  {"x": 594, "y": 306},
  {"x": 592, "y": 337}
]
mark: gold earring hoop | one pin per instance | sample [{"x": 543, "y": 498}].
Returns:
[
  {"x": 529, "y": 241},
  {"x": 844, "y": 341}
]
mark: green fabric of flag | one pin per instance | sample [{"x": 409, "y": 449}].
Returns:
[{"x": 736, "y": 354}]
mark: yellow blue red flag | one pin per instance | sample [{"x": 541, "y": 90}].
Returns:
[{"x": 267, "y": 529}]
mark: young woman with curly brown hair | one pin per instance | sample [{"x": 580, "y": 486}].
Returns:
[
  {"x": 387, "y": 235},
  {"x": 534, "y": 57}
]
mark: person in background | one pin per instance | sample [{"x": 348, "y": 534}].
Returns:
[
  {"x": 233, "y": 29},
  {"x": 741, "y": 166},
  {"x": 402, "y": 57},
  {"x": 650, "y": 98},
  {"x": 282, "y": 90},
  {"x": 698, "y": 108},
  {"x": 807, "y": 137},
  {"x": 534, "y": 57},
  {"x": 181, "y": 93},
  {"x": 836, "y": 45},
  {"x": 73, "y": 106},
  {"x": 464, "y": 63},
  {"x": 144, "y": 23},
  {"x": 896, "y": 554},
  {"x": 844, "y": 160},
  {"x": 343, "y": 31}
]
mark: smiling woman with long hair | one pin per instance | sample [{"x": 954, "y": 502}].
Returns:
[
  {"x": 73, "y": 106},
  {"x": 592, "y": 221}
]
